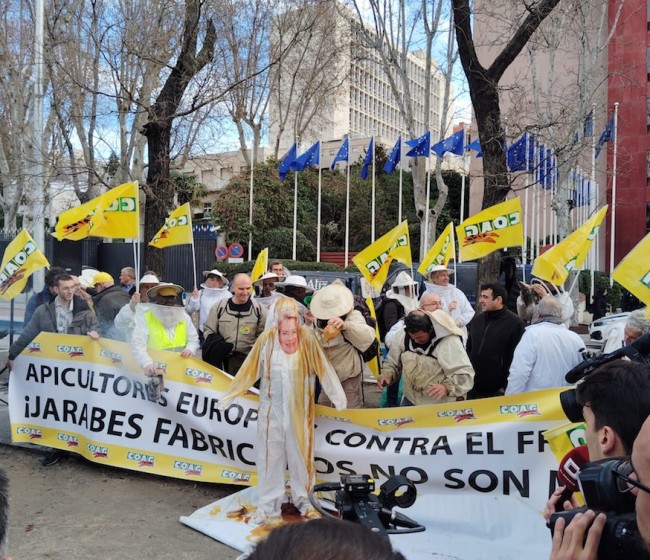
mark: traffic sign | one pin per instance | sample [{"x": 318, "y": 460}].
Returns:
[
  {"x": 221, "y": 252},
  {"x": 235, "y": 250}
]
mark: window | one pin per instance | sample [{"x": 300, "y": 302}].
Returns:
[
  {"x": 207, "y": 208},
  {"x": 647, "y": 164}
]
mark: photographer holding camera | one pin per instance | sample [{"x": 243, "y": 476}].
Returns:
[{"x": 615, "y": 403}]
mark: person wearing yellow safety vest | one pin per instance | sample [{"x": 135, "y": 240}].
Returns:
[{"x": 162, "y": 324}]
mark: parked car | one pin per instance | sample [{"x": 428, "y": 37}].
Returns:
[{"x": 599, "y": 330}]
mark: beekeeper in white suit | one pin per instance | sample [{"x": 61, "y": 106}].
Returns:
[{"x": 287, "y": 358}]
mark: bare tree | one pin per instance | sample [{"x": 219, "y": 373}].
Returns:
[
  {"x": 158, "y": 129},
  {"x": 395, "y": 25},
  {"x": 484, "y": 92}
]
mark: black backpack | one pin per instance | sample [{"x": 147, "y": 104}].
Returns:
[
  {"x": 381, "y": 319},
  {"x": 372, "y": 351}
]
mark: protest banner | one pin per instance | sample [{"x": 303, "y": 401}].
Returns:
[{"x": 90, "y": 397}]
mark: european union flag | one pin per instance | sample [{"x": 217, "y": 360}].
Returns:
[
  {"x": 541, "y": 164},
  {"x": 395, "y": 157},
  {"x": 476, "y": 146},
  {"x": 421, "y": 147},
  {"x": 516, "y": 154},
  {"x": 287, "y": 160},
  {"x": 550, "y": 169},
  {"x": 310, "y": 157},
  {"x": 608, "y": 134},
  {"x": 342, "y": 154},
  {"x": 454, "y": 144},
  {"x": 368, "y": 160},
  {"x": 531, "y": 151}
]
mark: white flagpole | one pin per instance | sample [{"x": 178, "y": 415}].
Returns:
[
  {"x": 250, "y": 212},
  {"x": 544, "y": 202},
  {"x": 613, "y": 218},
  {"x": 399, "y": 210},
  {"x": 189, "y": 217},
  {"x": 426, "y": 217},
  {"x": 320, "y": 186},
  {"x": 372, "y": 227},
  {"x": 535, "y": 244},
  {"x": 596, "y": 246},
  {"x": 295, "y": 213},
  {"x": 523, "y": 247},
  {"x": 347, "y": 207},
  {"x": 462, "y": 184}
]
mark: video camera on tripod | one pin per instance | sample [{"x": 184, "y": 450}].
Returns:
[{"x": 355, "y": 501}]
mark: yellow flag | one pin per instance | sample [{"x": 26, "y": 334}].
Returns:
[
  {"x": 177, "y": 229},
  {"x": 441, "y": 252},
  {"x": 261, "y": 264},
  {"x": 555, "y": 264},
  {"x": 115, "y": 214},
  {"x": 494, "y": 228},
  {"x": 21, "y": 259},
  {"x": 374, "y": 260},
  {"x": 633, "y": 272}
]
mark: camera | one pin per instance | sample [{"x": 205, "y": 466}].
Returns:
[
  {"x": 355, "y": 501},
  {"x": 604, "y": 489}
]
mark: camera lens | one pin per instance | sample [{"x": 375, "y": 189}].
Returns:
[{"x": 570, "y": 405}]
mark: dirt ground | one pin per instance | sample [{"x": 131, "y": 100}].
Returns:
[{"x": 77, "y": 510}]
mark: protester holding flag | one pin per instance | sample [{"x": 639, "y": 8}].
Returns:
[
  {"x": 454, "y": 301},
  {"x": 213, "y": 290}
]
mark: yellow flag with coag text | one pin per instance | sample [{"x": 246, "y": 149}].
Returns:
[
  {"x": 177, "y": 229},
  {"x": 21, "y": 259},
  {"x": 115, "y": 214},
  {"x": 261, "y": 264},
  {"x": 373, "y": 262},
  {"x": 441, "y": 252},
  {"x": 633, "y": 272},
  {"x": 496, "y": 227},
  {"x": 555, "y": 264}
]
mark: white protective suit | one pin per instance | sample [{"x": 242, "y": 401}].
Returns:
[
  {"x": 464, "y": 310},
  {"x": 285, "y": 424},
  {"x": 206, "y": 299}
]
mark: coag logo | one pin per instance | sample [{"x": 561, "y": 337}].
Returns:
[
  {"x": 396, "y": 422},
  {"x": 646, "y": 279},
  {"x": 190, "y": 469},
  {"x": 98, "y": 451},
  {"x": 142, "y": 459},
  {"x": 72, "y": 351},
  {"x": 33, "y": 347},
  {"x": 339, "y": 419},
  {"x": 374, "y": 265},
  {"x": 520, "y": 410},
  {"x": 16, "y": 263},
  {"x": 32, "y": 433},
  {"x": 70, "y": 441},
  {"x": 500, "y": 222},
  {"x": 112, "y": 356},
  {"x": 459, "y": 414},
  {"x": 199, "y": 376},
  {"x": 162, "y": 366},
  {"x": 235, "y": 476},
  {"x": 122, "y": 204}
]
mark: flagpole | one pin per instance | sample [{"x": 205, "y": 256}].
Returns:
[
  {"x": 462, "y": 184},
  {"x": 596, "y": 246},
  {"x": 399, "y": 211},
  {"x": 426, "y": 217},
  {"x": 523, "y": 247},
  {"x": 189, "y": 218},
  {"x": 535, "y": 225},
  {"x": 347, "y": 207},
  {"x": 295, "y": 206},
  {"x": 320, "y": 186},
  {"x": 250, "y": 215},
  {"x": 372, "y": 229},
  {"x": 613, "y": 218}
]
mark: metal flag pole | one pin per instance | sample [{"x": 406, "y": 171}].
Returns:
[
  {"x": 372, "y": 218},
  {"x": 612, "y": 253},
  {"x": 347, "y": 206},
  {"x": 320, "y": 187},
  {"x": 295, "y": 203},
  {"x": 250, "y": 210},
  {"x": 399, "y": 207}
]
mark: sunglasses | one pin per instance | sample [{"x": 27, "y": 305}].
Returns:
[
  {"x": 624, "y": 482},
  {"x": 321, "y": 323}
]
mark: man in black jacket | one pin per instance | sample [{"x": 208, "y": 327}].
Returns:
[
  {"x": 108, "y": 302},
  {"x": 493, "y": 335}
]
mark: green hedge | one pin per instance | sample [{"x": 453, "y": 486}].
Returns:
[
  {"x": 601, "y": 280},
  {"x": 231, "y": 269}
]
